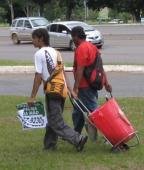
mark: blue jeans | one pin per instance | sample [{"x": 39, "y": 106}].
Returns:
[{"x": 89, "y": 98}]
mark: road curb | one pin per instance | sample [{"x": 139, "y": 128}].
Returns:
[{"x": 108, "y": 68}]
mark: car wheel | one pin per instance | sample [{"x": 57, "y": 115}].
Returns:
[
  {"x": 72, "y": 46},
  {"x": 15, "y": 39}
]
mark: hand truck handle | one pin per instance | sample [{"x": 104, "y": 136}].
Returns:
[{"x": 79, "y": 104}]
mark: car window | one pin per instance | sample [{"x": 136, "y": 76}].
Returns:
[
  {"x": 14, "y": 23},
  {"x": 39, "y": 22},
  {"x": 53, "y": 28},
  {"x": 85, "y": 26},
  {"x": 62, "y": 28},
  {"x": 20, "y": 23},
  {"x": 27, "y": 24}
]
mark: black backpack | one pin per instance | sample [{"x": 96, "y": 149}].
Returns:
[{"x": 94, "y": 73}]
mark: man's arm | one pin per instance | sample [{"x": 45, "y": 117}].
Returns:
[
  {"x": 78, "y": 77},
  {"x": 67, "y": 82},
  {"x": 36, "y": 85},
  {"x": 108, "y": 87}
]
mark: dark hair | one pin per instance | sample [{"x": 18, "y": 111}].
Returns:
[
  {"x": 41, "y": 33},
  {"x": 79, "y": 32}
]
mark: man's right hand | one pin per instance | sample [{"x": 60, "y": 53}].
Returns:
[
  {"x": 108, "y": 88},
  {"x": 74, "y": 93},
  {"x": 31, "y": 102}
]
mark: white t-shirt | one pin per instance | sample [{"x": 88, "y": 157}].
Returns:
[{"x": 49, "y": 54}]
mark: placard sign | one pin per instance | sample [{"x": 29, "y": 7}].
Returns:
[{"x": 32, "y": 117}]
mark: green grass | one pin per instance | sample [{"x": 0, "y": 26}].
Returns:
[
  {"x": 68, "y": 64},
  {"x": 29, "y": 63},
  {"x": 23, "y": 63},
  {"x": 71, "y": 64},
  {"x": 4, "y": 25},
  {"x": 133, "y": 64},
  {"x": 15, "y": 63},
  {"x": 22, "y": 150}
]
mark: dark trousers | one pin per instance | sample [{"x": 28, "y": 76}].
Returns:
[
  {"x": 89, "y": 98},
  {"x": 56, "y": 126}
]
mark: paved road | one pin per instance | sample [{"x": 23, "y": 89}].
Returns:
[
  {"x": 121, "y": 49},
  {"x": 105, "y": 29},
  {"x": 124, "y": 84},
  {"x": 121, "y": 29},
  {"x": 4, "y": 32},
  {"x": 123, "y": 45}
]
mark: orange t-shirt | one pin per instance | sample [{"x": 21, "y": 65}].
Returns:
[{"x": 85, "y": 55}]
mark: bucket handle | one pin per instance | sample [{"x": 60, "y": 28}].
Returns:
[
  {"x": 138, "y": 140},
  {"x": 84, "y": 110},
  {"x": 107, "y": 98},
  {"x": 136, "y": 136},
  {"x": 111, "y": 95},
  {"x": 75, "y": 102}
]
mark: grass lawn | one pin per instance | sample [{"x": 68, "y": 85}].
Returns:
[
  {"x": 15, "y": 63},
  {"x": 29, "y": 63},
  {"x": 23, "y": 63},
  {"x": 4, "y": 25},
  {"x": 22, "y": 150}
]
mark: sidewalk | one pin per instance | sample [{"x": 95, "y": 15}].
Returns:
[{"x": 108, "y": 68}]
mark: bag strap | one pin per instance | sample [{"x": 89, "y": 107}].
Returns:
[
  {"x": 59, "y": 58},
  {"x": 56, "y": 71},
  {"x": 94, "y": 63}
]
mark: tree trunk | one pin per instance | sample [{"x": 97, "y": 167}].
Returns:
[
  {"x": 68, "y": 13},
  {"x": 41, "y": 9},
  {"x": 10, "y": 4},
  {"x": 137, "y": 16},
  {"x": 27, "y": 10}
]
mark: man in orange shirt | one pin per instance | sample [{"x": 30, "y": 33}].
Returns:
[{"x": 85, "y": 54}]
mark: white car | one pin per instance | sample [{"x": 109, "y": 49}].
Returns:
[
  {"x": 142, "y": 20},
  {"x": 22, "y": 28},
  {"x": 116, "y": 21},
  {"x": 60, "y": 34}
]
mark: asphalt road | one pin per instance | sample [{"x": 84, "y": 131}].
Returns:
[
  {"x": 124, "y": 84},
  {"x": 123, "y": 45},
  {"x": 118, "y": 29},
  {"x": 105, "y": 29}
]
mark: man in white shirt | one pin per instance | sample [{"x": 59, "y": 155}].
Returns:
[{"x": 45, "y": 63}]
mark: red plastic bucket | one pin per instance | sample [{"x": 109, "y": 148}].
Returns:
[{"x": 113, "y": 123}]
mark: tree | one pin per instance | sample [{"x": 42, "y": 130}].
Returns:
[
  {"x": 99, "y": 4},
  {"x": 53, "y": 11},
  {"x": 124, "y": 16},
  {"x": 41, "y": 4},
  {"x": 10, "y": 4},
  {"x": 70, "y": 5},
  {"x": 134, "y": 7},
  {"x": 28, "y": 7},
  {"x": 12, "y": 8},
  {"x": 3, "y": 13}
]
